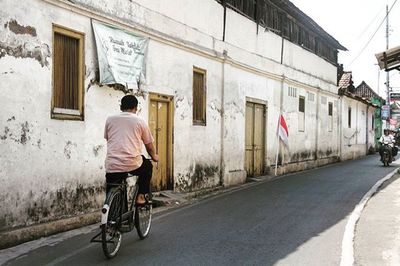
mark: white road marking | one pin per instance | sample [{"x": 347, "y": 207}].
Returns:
[{"x": 347, "y": 256}]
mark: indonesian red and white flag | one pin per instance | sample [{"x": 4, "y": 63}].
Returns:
[{"x": 283, "y": 131}]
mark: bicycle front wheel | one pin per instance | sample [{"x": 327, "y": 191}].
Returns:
[
  {"x": 110, "y": 234},
  {"x": 143, "y": 219}
]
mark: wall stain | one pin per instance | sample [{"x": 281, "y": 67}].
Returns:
[
  {"x": 198, "y": 177},
  {"x": 91, "y": 83},
  {"x": 24, "y": 133},
  {"x": 6, "y": 130},
  {"x": 178, "y": 100},
  {"x": 65, "y": 202},
  {"x": 302, "y": 156},
  {"x": 15, "y": 27},
  {"x": 96, "y": 149},
  {"x": 39, "y": 143},
  {"x": 67, "y": 149},
  {"x": 324, "y": 154},
  {"x": 214, "y": 107},
  {"x": 11, "y": 119},
  {"x": 11, "y": 72}
]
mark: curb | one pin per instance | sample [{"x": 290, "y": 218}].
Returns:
[
  {"x": 347, "y": 254},
  {"x": 12, "y": 238},
  {"x": 18, "y": 236}
]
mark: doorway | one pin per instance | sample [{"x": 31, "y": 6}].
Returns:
[
  {"x": 255, "y": 138},
  {"x": 161, "y": 126}
]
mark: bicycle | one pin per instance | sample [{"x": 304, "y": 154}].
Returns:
[{"x": 120, "y": 215}]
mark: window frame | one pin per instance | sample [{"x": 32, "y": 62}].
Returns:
[
  {"x": 349, "y": 117},
  {"x": 64, "y": 113},
  {"x": 201, "y": 122},
  {"x": 302, "y": 114},
  {"x": 330, "y": 116},
  {"x": 372, "y": 122}
]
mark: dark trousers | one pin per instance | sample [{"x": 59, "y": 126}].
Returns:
[{"x": 144, "y": 173}]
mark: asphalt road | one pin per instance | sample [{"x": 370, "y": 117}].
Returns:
[{"x": 298, "y": 219}]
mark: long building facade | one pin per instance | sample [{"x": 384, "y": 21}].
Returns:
[{"x": 215, "y": 77}]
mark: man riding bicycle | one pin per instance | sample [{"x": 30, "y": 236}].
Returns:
[{"x": 125, "y": 134}]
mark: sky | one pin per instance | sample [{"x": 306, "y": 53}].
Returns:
[{"x": 353, "y": 23}]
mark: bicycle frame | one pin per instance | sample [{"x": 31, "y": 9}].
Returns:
[{"x": 125, "y": 213}]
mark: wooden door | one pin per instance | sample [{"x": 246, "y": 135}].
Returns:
[
  {"x": 254, "y": 138},
  {"x": 160, "y": 123}
]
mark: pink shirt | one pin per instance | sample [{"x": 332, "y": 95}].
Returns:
[{"x": 125, "y": 134}]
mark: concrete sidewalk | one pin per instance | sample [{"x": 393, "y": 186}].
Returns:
[{"x": 377, "y": 233}]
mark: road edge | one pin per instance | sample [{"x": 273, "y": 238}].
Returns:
[{"x": 347, "y": 254}]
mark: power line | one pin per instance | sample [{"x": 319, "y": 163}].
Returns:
[
  {"x": 369, "y": 24},
  {"x": 373, "y": 35}
]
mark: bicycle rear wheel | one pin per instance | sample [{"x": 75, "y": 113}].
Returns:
[
  {"x": 110, "y": 235},
  {"x": 143, "y": 215}
]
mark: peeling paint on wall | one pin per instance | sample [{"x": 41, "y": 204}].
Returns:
[
  {"x": 96, "y": 149},
  {"x": 24, "y": 133},
  {"x": 39, "y": 143},
  {"x": 19, "y": 29},
  {"x": 6, "y": 131},
  {"x": 67, "y": 149},
  {"x": 234, "y": 109},
  {"x": 22, "y": 42},
  {"x": 178, "y": 100}
]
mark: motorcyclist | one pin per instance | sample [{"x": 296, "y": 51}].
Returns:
[
  {"x": 386, "y": 137},
  {"x": 397, "y": 137}
]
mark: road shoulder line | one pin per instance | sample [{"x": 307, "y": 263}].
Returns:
[{"x": 347, "y": 255}]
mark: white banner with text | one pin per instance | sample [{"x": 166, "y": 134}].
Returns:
[{"x": 121, "y": 55}]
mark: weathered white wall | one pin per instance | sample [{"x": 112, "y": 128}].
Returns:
[
  {"x": 51, "y": 169},
  {"x": 355, "y": 142},
  {"x": 196, "y": 148},
  {"x": 191, "y": 13}
]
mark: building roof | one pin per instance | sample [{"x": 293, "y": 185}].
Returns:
[
  {"x": 389, "y": 59},
  {"x": 302, "y": 17},
  {"x": 365, "y": 91},
  {"x": 362, "y": 93},
  {"x": 346, "y": 80}
]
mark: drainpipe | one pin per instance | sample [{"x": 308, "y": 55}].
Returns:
[
  {"x": 340, "y": 127},
  {"x": 282, "y": 46},
  {"x": 357, "y": 125},
  {"x": 222, "y": 168},
  {"x": 223, "y": 30},
  {"x": 317, "y": 124},
  {"x": 366, "y": 130}
]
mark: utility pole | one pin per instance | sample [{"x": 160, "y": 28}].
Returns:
[{"x": 387, "y": 73}]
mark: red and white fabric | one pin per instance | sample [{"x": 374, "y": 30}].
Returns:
[{"x": 283, "y": 131}]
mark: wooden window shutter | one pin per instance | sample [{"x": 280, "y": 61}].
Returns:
[
  {"x": 199, "y": 97},
  {"x": 67, "y": 101}
]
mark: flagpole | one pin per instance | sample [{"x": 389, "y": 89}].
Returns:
[{"x": 277, "y": 152}]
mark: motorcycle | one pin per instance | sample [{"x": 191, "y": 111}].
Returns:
[{"x": 386, "y": 153}]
